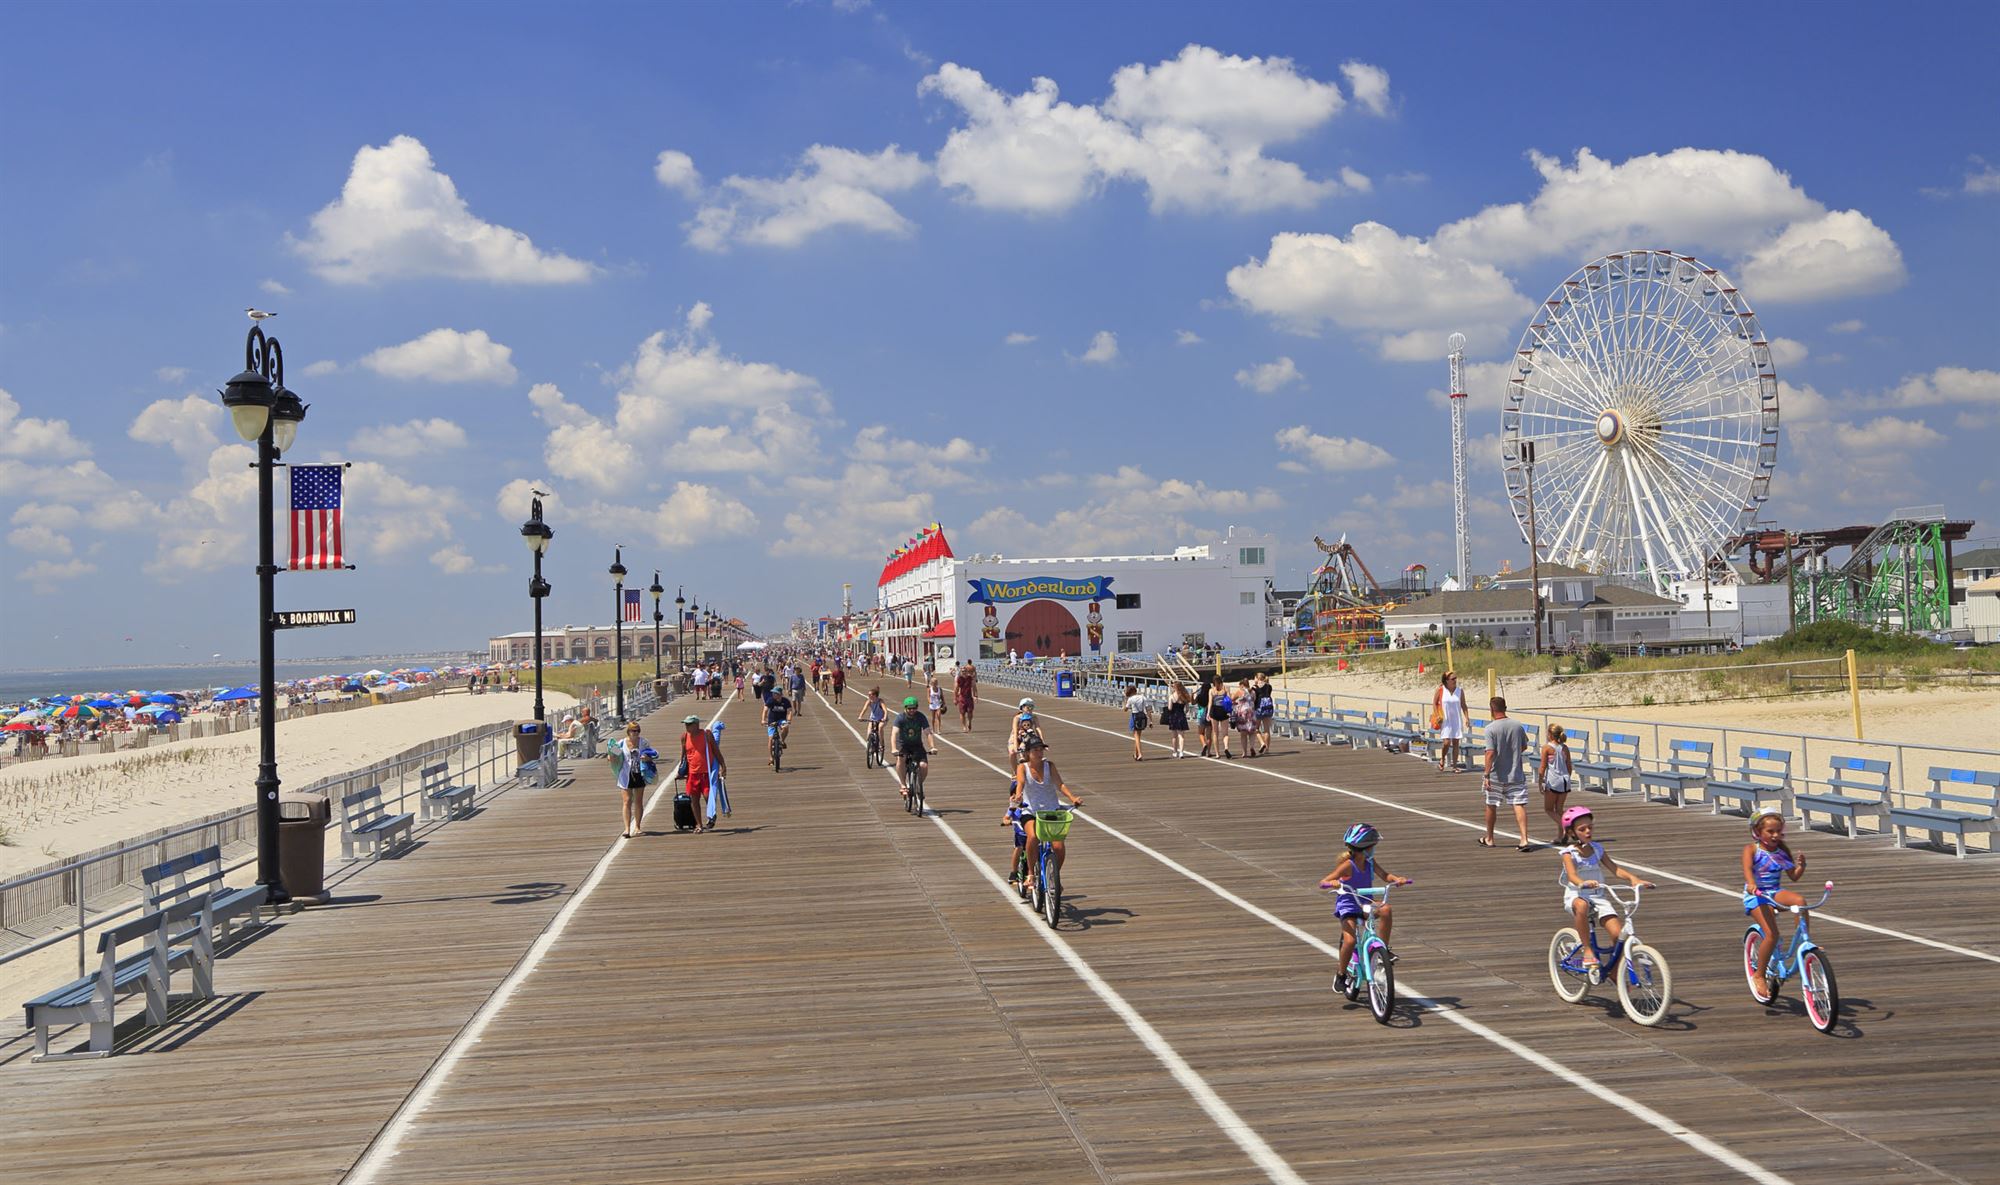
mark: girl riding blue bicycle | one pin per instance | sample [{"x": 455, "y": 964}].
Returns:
[
  {"x": 1767, "y": 858},
  {"x": 1585, "y": 866},
  {"x": 1357, "y": 870}
]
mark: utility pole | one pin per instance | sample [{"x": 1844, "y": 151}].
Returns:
[
  {"x": 1462, "y": 557},
  {"x": 1534, "y": 541}
]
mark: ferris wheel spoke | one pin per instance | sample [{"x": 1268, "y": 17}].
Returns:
[
  {"x": 1701, "y": 458},
  {"x": 1580, "y": 507},
  {"x": 1666, "y": 527},
  {"x": 1697, "y": 504},
  {"x": 1639, "y": 515}
]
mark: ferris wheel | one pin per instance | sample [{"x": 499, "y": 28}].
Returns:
[{"x": 1643, "y": 404}]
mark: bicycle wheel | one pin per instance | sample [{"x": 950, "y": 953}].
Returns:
[
  {"x": 1816, "y": 984},
  {"x": 868, "y": 760},
  {"x": 1381, "y": 982},
  {"x": 1035, "y": 870},
  {"x": 917, "y": 796},
  {"x": 1645, "y": 984},
  {"x": 1751, "y": 937},
  {"x": 1570, "y": 983},
  {"x": 777, "y": 753},
  {"x": 1052, "y": 897}
]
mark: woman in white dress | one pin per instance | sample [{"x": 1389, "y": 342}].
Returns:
[{"x": 1448, "y": 717}]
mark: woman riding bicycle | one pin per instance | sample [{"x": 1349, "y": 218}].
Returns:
[{"x": 1038, "y": 787}]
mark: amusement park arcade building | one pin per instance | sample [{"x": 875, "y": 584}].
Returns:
[{"x": 1088, "y": 606}]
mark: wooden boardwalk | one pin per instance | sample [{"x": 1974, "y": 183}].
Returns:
[{"x": 830, "y": 990}]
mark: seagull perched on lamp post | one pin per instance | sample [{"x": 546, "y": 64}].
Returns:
[{"x": 258, "y": 315}]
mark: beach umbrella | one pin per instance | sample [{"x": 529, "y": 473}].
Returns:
[
  {"x": 161, "y": 697},
  {"x": 161, "y": 715},
  {"x": 22, "y": 724},
  {"x": 236, "y": 693},
  {"x": 79, "y": 712},
  {"x": 106, "y": 703}
]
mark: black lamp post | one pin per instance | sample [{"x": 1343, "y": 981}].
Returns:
[
  {"x": 694, "y": 611},
  {"x": 618, "y": 622},
  {"x": 680, "y": 630},
  {"x": 265, "y": 413},
  {"x": 658, "y": 617},
  {"x": 536, "y": 534}
]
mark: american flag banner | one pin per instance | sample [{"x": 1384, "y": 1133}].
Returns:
[
  {"x": 632, "y": 604},
  {"x": 315, "y": 518},
  {"x": 687, "y": 619}
]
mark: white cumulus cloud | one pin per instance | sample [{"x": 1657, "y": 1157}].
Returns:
[
  {"x": 1267, "y": 377},
  {"x": 1019, "y": 339},
  {"x": 1851, "y": 325},
  {"x": 417, "y": 438},
  {"x": 398, "y": 217},
  {"x": 675, "y": 170},
  {"x": 187, "y": 425},
  {"x": 832, "y": 187},
  {"x": 1192, "y": 130},
  {"x": 1103, "y": 349},
  {"x": 1786, "y": 352},
  {"x": 1332, "y": 453},
  {"x": 30, "y": 437},
  {"x": 1186, "y": 337},
  {"x": 1840, "y": 253},
  {"x": 1370, "y": 85},
  {"x": 692, "y": 514},
  {"x": 1948, "y": 385},
  {"x": 446, "y": 356}
]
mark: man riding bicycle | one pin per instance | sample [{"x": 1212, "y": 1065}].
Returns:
[
  {"x": 777, "y": 715},
  {"x": 912, "y": 733}
]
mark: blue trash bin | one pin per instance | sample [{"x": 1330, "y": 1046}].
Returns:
[{"x": 1065, "y": 685}]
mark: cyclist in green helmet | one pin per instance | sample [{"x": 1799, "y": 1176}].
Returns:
[{"x": 911, "y": 733}]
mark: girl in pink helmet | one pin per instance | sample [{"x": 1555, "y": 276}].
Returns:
[{"x": 1585, "y": 866}]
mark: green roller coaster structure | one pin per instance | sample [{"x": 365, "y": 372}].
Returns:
[{"x": 1899, "y": 578}]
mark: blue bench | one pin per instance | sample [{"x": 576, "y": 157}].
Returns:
[
  {"x": 183, "y": 877},
  {"x": 1617, "y": 757},
  {"x": 438, "y": 795},
  {"x": 365, "y": 823},
  {"x": 1760, "y": 774},
  {"x": 1855, "y": 785},
  {"x": 1689, "y": 764},
  {"x": 1340, "y": 724},
  {"x": 168, "y": 945},
  {"x": 1952, "y": 792}
]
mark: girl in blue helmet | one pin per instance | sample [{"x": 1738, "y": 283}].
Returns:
[{"x": 1358, "y": 870}]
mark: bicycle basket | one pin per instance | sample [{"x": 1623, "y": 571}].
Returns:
[{"x": 1052, "y": 826}]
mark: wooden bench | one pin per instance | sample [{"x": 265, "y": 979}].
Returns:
[
  {"x": 201, "y": 872},
  {"x": 1689, "y": 764},
  {"x": 1855, "y": 785},
  {"x": 1760, "y": 774},
  {"x": 1951, "y": 791},
  {"x": 169, "y": 945},
  {"x": 1344, "y": 724},
  {"x": 364, "y": 821},
  {"x": 438, "y": 795},
  {"x": 1617, "y": 757},
  {"x": 1403, "y": 734}
]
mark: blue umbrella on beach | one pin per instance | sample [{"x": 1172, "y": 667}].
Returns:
[
  {"x": 106, "y": 703},
  {"x": 236, "y": 693},
  {"x": 161, "y": 697}
]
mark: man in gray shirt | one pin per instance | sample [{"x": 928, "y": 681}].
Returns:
[{"x": 1506, "y": 779}]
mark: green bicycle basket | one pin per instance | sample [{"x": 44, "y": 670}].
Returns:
[{"x": 1052, "y": 826}]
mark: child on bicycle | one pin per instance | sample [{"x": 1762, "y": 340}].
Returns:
[
  {"x": 1357, "y": 870},
  {"x": 1016, "y": 816},
  {"x": 1767, "y": 858},
  {"x": 1585, "y": 865},
  {"x": 874, "y": 712}
]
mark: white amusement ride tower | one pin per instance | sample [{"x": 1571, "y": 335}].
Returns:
[
  {"x": 1462, "y": 558},
  {"x": 1646, "y": 385}
]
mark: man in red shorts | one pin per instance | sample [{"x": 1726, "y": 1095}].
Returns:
[{"x": 702, "y": 755}]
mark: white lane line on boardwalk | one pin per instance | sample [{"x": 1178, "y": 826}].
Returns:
[
  {"x": 1219, "y": 1112},
  {"x": 1631, "y": 1106},
  {"x": 1654, "y": 870},
  {"x": 389, "y": 1140}
]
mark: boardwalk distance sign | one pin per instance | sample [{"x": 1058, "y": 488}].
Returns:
[{"x": 298, "y": 618}]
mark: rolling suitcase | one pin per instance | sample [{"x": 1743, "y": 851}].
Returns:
[{"x": 683, "y": 813}]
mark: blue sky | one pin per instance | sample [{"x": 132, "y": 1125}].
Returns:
[{"x": 1227, "y": 256}]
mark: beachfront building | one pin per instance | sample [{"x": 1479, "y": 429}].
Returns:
[
  {"x": 594, "y": 643},
  {"x": 913, "y": 602},
  {"x": 1579, "y": 607}
]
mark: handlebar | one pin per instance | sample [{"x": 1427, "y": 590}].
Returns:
[{"x": 1815, "y": 905}]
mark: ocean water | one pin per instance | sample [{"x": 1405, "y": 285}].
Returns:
[{"x": 20, "y": 685}]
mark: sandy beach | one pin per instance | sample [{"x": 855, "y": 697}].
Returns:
[
  {"x": 54, "y": 808},
  {"x": 1944, "y": 716}
]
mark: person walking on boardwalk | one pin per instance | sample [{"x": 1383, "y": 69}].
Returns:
[
  {"x": 1267, "y": 710},
  {"x": 1138, "y": 714},
  {"x": 1448, "y": 720},
  {"x": 701, "y": 754},
  {"x": 1175, "y": 716},
  {"x": 1555, "y": 776},
  {"x": 967, "y": 691},
  {"x": 627, "y": 760},
  {"x": 934, "y": 699},
  {"x": 1506, "y": 780},
  {"x": 839, "y": 682}
]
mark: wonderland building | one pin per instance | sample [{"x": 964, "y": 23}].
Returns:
[{"x": 939, "y": 608}]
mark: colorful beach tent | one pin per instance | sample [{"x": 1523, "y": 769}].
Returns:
[{"x": 236, "y": 693}]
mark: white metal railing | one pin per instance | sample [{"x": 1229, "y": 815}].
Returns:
[{"x": 483, "y": 757}]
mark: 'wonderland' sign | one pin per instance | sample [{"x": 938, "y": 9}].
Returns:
[{"x": 1096, "y": 588}]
